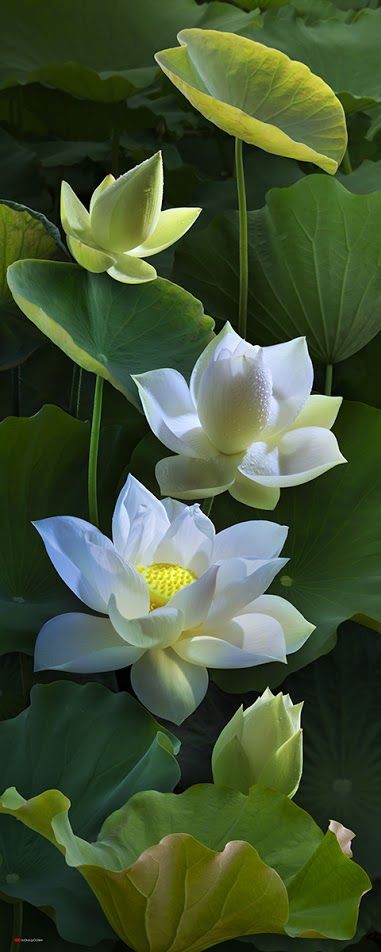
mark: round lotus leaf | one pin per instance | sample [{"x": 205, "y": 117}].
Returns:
[{"x": 258, "y": 95}]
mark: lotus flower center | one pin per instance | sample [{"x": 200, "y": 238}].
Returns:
[{"x": 164, "y": 580}]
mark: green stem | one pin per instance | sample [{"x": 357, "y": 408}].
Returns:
[
  {"x": 115, "y": 141},
  {"x": 346, "y": 163},
  {"x": 243, "y": 244},
  {"x": 328, "y": 380},
  {"x": 18, "y": 911},
  {"x": 207, "y": 505},
  {"x": 93, "y": 452}
]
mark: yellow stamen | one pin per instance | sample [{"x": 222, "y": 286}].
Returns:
[{"x": 164, "y": 580}]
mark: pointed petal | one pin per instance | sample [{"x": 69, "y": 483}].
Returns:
[
  {"x": 250, "y": 540},
  {"x": 194, "y": 600},
  {"x": 296, "y": 628},
  {"x": 242, "y": 643},
  {"x": 234, "y": 399},
  {"x": 131, "y": 270},
  {"x": 170, "y": 412},
  {"x": 173, "y": 507},
  {"x": 171, "y": 226},
  {"x": 126, "y": 213},
  {"x": 168, "y": 686},
  {"x": 239, "y": 582},
  {"x": 81, "y": 643},
  {"x": 188, "y": 541},
  {"x": 299, "y": 456},
  {"x": 108, "y": 180},
  {"x": 158, "y": 628},
  {"x": 139, "y": 523},
  {"x": 89, "y": 258},
  {"x": 84, "y": 558},
  {"x": 292, "y": 375},
  {"x": 194, "y": 478},
  {"x": 226, "y": 339},
  {"x": 318, "y": 411},
  {"x": 75, "y": 219},
  {"x": 250, "y": 493}
]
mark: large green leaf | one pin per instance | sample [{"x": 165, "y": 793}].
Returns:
[
  {"x": 334, "y": 545},
  {"x": 96, "y": 52},
  {"x": 43, "y": 463},
  {"x": 342, "y": 739},
  {"x": 258, "y": 95},
  {"x": 109, "y": 328},
  {"x": 344, "y": 54},
  {"x": 314, "y": 267},
  {"x": 23, "y": 234},
  {"x": 145, "y": 852},
  {"x": 40, "y": 928},
  {"x": 101, "y": 748}
]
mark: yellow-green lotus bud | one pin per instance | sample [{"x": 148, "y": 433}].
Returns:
[
  {"x": 261, "y": 745},
  {"x": 124, "y": 224}
]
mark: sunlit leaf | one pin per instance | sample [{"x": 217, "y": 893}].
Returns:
[
  {"x": 109, "y": 328},
  {"x": 101, "y": 748},
  {"x": 258, "y": 95}
]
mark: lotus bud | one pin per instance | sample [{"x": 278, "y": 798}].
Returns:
[
  {"x": 124, "y": 224},
  {"x": 261, "y": 745}
]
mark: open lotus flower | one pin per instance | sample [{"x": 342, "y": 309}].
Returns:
[
  {"x": 262, "y": 744},
  {"x": 247, "y": 423},
  {"x": 125, "y": 223},
  {"x": 175, "y": 598}
]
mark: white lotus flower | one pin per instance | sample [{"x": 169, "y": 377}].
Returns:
[
  {"x": 247, "y": 422},
  {"x": 124, "y": 224},
  {"x": 174, "y": 599}
]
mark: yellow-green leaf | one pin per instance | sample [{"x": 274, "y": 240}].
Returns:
[{"x": 258, "y": 95}]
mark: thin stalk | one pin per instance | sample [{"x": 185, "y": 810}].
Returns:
[
  {"x": 328, "y": 380},
  {"x": 115, "y": 142},
  {"x": 18, "y": 914},
  {"x": 93, "y": 452},
  {"x": 207, "y": 505},
  {"x": 346, "y": 163},
  {"x": 243, "y": 243}
]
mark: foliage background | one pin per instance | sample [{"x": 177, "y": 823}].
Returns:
[{"x": 80, "y": 96}]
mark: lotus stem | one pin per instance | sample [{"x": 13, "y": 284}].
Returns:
[
  {"x": 346, "y": 163},
  {"x": 18, "y": 913},
  {"x": 328, "y": 380},
  {"x": 93, "y": 452},
  {"x": 243, "y": 243},
  {"x": 207, "y": 505}
]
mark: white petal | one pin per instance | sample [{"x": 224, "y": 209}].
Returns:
[
  {"x": 234, "y": 399},
  {"x": 252, "y": 494},
  {"x": 242, "y": 643},
  {"x": 124, "y": 214},
  {"x": 89, "y": 258},
  {"x": 168, "y": 686},
  {"x": 194, "y": 478},
  {"x": 173, "y": 507},
  {"x": 188, "y": 541},
  {"x": 295, "y": 627},
  {"x": 139, "y": 523},
  {"x": 227, "y": 340},
  {"x": 74, "y": 216},
  {"x": 299, "y": 456},
  {"x": 81, "y": 643},
  {"x": 292, "y": 375},
  {"x": 84, "y": 558},
  {"x": 171, "y": 226},
  {"x": 194, "y": 600},
  {"x": 158, "y": 628},
  {"x": 171, "y": 413},
  {"x": 131, "y": 270},
  {"x": 318, "y": 411},
  {"x": 250, "y": 540},
  {"x": 239, "y": 581}
]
